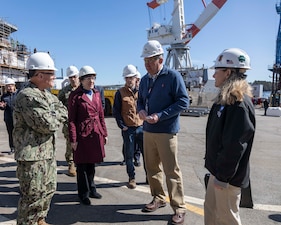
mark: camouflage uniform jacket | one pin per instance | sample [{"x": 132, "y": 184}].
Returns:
[
  {"x": 64, "y": 94},
  {"x": 37, "y": 117}
]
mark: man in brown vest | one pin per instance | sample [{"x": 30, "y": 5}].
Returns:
[{"x": 125, "y": 113}]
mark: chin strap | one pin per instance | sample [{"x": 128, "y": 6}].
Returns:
[{"x": 241, "y": 74}]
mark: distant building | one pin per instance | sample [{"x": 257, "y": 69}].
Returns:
[
  {"x": 257, "y": 90},
  {"x": 13, "y": 55}
]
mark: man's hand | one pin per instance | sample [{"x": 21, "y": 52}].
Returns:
[
  {"x": 3, "y": 104},
  {"x": 152, "y": 118},
  {"x": 142, "y": 114},
  {"x": 125, "y": 128}
]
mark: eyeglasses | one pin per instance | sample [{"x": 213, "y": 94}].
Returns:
[
  {"x": 220, "y": 69},
  {"x": 151, "y": 59},
  {"x": 90, "y": 78},
  {"x": 73, "y": 77},
  {"x": 49, "y": 73}
]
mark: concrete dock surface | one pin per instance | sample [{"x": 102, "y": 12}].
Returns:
[{"x": 120, "y": 205}]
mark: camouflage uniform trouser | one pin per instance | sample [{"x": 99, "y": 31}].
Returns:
[
  {"x": 37, "y": 181},
  {"x": 68, "y": 153}
]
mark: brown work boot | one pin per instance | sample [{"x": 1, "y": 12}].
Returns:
[
  {"x": 132, "y": 184},
  {"x": 71, "y": 170},
  {"x": 154, "y": 205},
  {"x": 178, "y": 218},
  {"x": 42, "y": 221}
]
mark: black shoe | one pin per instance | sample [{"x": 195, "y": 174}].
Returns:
[
  {"x": 95, "y": 195},
  {"x": 137, "y": 163},
  {"x": 86, "y": 201},
  {"x": 123, "y": 163}
]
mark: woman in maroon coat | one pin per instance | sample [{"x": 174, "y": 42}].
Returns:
[{"x": 87, "y": 132}]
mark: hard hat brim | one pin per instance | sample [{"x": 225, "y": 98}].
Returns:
[
  {"x": 150, "y": 56},
  {"x": 131, "y": 75}
]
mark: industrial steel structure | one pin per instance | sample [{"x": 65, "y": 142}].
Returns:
[
  {"x": 13, "y": 55},
  {"x": 276, "y": 69},
  {"x": 177, "y": 35}
]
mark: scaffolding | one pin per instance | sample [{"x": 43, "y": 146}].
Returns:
[{"x": 13, "y": 55}]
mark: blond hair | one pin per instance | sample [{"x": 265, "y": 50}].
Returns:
[{"x": 233, "y": 89}]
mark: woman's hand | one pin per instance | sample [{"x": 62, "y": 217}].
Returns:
[
  {"x": 74, "y": 145},
  {"x": 105, "y": 140}
]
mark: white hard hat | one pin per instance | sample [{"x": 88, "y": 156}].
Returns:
[
  {"x": 233, "y": 58},
  {"x": 130, "y": 71},
  {"x": 72, "y": 71},
  {"x": 40, "y": 61},
  {"x": 86, "y": 70},
  {"x": 138, "y": 75},
  {"x": 9, "y": 81},
  {"x": 152, "y": 48}
]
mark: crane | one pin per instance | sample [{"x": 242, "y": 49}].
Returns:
[
  {"x": 276, "y": 80},
  {"x": 178, "y": 34}
]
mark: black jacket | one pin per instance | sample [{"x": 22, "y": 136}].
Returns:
[
  {"x": 229, "y": 138},
  {"x": 9, "y": 98}
]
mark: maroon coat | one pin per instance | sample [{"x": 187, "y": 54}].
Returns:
[{"x": 86, "y": 126}]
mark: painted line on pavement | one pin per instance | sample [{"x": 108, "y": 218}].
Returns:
[
  {"x": 143, "y": 189},
  {"x": 188, "y": 199},
  {"x": 7, "y": 159}
]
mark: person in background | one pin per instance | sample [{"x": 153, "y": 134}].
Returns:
[
  {"x": 7, "y": 104},
  {"x": 38, "y": 115},
  {"x": 138, "y": 147},
  {"x": 101, "y": 90},
  {"x": 162, "y": 97},
  {"x": 73, "y": 77},
  {"x": 87, "y": 133},
  {"x": 229, "y": 137},
  {"x": 127, "y": 119},
  {"x": 265, "y": 106}
]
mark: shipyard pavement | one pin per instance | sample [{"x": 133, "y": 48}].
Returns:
[{"x": 121, "y": 205}]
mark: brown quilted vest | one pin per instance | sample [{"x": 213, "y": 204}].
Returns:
[{"x": 129, "y": 107}]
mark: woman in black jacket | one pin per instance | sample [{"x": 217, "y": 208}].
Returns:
[{"x": 229, "y": 138}]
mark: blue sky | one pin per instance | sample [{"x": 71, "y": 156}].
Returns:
[{"x": 110, "y": 34}]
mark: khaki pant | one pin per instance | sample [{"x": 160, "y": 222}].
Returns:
[
  {"x": 69, "y": 152},
  {"x": 221, "y": 206},
  {"x": 160, "y": 153}
]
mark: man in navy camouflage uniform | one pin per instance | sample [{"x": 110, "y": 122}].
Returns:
[
  {"x": 37, "y": 115},
  {"x": 73, "y": 77}
]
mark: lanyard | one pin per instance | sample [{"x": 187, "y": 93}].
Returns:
[
  {"x": 150, "y": 85},
  {"x": 220, "y": 111}
]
